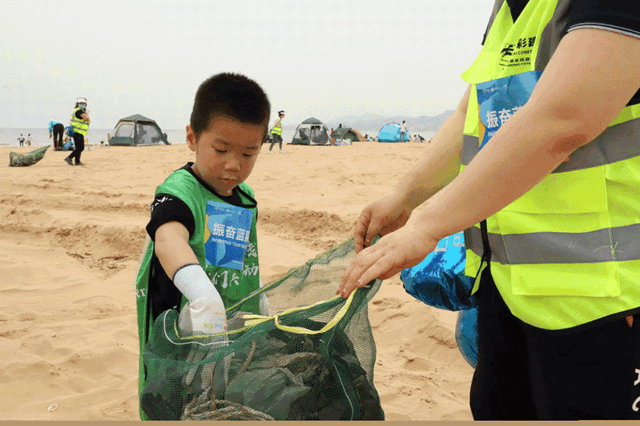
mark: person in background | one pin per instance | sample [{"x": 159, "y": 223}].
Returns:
[
  {"x": 403, "y": 131},
  {"x": 20, "y": 140},
  {"x": 56, "y": 129},
  {"x": 276, "y": 132},
  {"x": 29, "y": 141},
  {"x": 540, "y": 167},
  {"x": 80, "y": 125}
]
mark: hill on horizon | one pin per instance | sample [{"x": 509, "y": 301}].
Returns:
[{"x": 375, "y": 121}]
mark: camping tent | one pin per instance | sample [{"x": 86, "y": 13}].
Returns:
[
  {"x": 311, "y": 132},
  {"x": 137, "y": 130},
  {"x": 391, "y": 133},
  {"x": 347, "y": 133}
]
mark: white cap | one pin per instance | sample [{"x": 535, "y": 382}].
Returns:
[{"x": 81, "y": 100}]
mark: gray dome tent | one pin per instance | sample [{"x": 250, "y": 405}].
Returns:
[
  {"x": 311, "y": 132},
  {"x": 138, "y": 130},
  {"x": 347, "y": 133}
]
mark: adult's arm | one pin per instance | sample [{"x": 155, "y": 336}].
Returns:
[
  {"x": 438, "y": 166},
  {"x": 590, "y": 78}
]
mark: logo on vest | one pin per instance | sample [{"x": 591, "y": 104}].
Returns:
[
  {"x": 227, "y": 231},
  {"x": 500, "y": 99},
  {"x": 519, "y": 53}
]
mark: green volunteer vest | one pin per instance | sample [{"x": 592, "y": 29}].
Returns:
[
  {"x": 79, "y": 126},
  {"x": 232, "y": 284},
  {"x": 277, "y": 129},
  {"x": 567, "y": 252}
]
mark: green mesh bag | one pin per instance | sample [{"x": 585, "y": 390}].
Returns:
[
  {"x": 27, "y": 159},
  {"x": 311, "y": 358}
]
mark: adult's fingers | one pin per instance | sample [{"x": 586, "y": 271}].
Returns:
[
  {"x": 375, "y": 227},
  {"x": 360, "y": 231},
  {"x": 350, "y": 278}
]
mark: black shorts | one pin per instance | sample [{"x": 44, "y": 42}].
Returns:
[{"x": 526, "y": 373}]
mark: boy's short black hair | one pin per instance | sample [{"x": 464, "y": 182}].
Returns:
[{"x": 232, "y": 95}]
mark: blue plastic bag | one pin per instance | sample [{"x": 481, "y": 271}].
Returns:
[
  {"x": 467, "y": 335},
  {"x": 439, "y": 281}
]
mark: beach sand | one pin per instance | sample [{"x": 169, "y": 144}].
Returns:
[{"x": 70, "y": 243}]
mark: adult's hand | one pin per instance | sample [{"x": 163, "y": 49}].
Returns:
[
  {"x": 398, "y": 250},
  {"x": 382, "y": 216}
]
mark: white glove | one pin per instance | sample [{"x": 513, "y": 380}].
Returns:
[
  {"x": 205, "y": 312},
  {"x": 205, "y": 316}
]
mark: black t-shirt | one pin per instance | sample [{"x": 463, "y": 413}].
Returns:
[
  {"x": 621, "y": 16},
  {"x": 79, "y": 114},
  {"x": 167, "y": 208}
]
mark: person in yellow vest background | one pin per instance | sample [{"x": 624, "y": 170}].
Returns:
[
  {"x": 540, "y": 166},
  {"x": 276, "y": 132},
  {"x": 80, "y": 123}
]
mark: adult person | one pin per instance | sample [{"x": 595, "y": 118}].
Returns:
[
  {"x": 555, "y": 189},
  {"x": 21, "y": 140},
  {"x": 403, "y": 130},
  {"x": 276, "y": 132},
  {"x": 56, "y": 129},
  {"x": 80, "y": 125}
]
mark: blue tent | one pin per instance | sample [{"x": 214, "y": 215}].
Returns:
[{"x": 391, "y": 133}]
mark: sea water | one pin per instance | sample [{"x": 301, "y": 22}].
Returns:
[{"x": 40, "y": 135}]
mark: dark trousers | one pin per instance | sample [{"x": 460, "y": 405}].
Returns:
[
  {"x": 275, "y": 139},
  {"x": 526, "y": 373},
  {"x": 58, "y": 131},
  {"x": 78, "y": 141}
]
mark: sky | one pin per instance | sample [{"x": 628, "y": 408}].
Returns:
[{"x": 326, "y": 59}]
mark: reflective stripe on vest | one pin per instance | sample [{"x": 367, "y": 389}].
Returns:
[
  {"x": 604, "y": 245},
  {"x": 277, "y": 129},
  {"x": 568, "y": 251},
  {"x": 79, "y": 126}
]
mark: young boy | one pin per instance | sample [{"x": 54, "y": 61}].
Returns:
[{"x": 203, "y": 248}]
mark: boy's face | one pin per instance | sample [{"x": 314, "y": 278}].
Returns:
[{"x": 226, "y": 152}]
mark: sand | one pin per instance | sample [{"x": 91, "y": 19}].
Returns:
[{"x": 70, "y": 243}]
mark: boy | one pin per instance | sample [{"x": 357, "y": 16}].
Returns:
[{"x": 203, "y": 217}]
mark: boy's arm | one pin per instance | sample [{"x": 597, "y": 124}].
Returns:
[
  {"x": 205, "y": 311},
  {"x": 172, "y": 247}
]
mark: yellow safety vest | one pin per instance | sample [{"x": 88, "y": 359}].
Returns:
[
  {"x": 277, "y": 129},
  {"x": 566, "y": 253},
  {"x": 79, "y": 125}
]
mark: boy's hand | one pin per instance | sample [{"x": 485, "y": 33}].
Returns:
[
  {"x": 398, "y": 250},
  {"x": 382, "y": 216}
]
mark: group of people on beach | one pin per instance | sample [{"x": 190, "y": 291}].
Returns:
[{"x": 543, "y": 178}]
